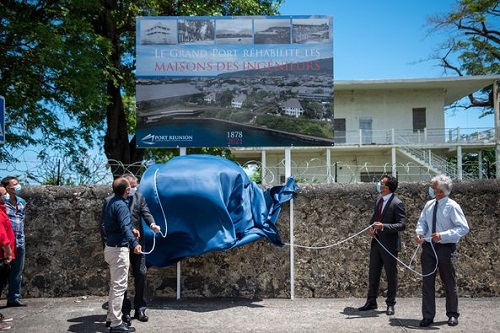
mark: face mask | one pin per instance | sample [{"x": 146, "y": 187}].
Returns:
[
  {"x": 17, "y": 189},
  {"x": 6, "y": 197},
  {"x": 132, "y": 191},
  {"x": 379, "y": 188},
  {"x": 431, "y": 192}
]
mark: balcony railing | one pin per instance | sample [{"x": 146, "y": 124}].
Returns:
[{"x": 425, "y": 136}]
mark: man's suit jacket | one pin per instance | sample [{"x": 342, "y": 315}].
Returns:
[
  {"x": 138, "y": 209},
  {"x": 394, "y": 221}
]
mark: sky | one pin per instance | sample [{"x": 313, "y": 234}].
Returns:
[{"x": 385, "y": 39}]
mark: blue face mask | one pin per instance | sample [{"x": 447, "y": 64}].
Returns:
[
  {"x": 431, "y": 192},
  {"x": 17, "y": 189},
  {"x": 379, "y": 188},
  {"x": 132, "y": 191}
]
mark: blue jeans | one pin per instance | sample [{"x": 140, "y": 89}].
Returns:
[{"x": 16, "y": 275}]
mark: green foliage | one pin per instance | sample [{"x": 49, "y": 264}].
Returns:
[
  {"x": 473, "y": 45},
  {"x": 296, "y": 125},
  {"x": 67, "y": 71},
  {"x": 470, "y": 164},
  {"x": 256, "y": 176}
]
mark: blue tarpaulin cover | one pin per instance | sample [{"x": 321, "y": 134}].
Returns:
[{"x": 206, "y": 203}]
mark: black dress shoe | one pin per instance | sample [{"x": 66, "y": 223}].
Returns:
[
  {"x": 390, "y": 310},
  {"x": 453, "y": 321},
  {"x": 368, "y": 306},
  {"x": 426, "y": 322},
  {"x": 16, "y": 303},
  {"x": 141, "y": 315},
  {"x": 121, "y": 328}
]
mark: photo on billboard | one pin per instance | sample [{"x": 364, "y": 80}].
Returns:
[{"x": 249, "y": 81}]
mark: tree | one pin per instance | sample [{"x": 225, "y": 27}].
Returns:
[
  {"x": 473, "y": 46},
  {"x": 49, "y": 75},
  {"x": 67, "y": 69}
]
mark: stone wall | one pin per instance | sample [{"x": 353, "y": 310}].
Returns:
[{"x": 65, "y": 258}]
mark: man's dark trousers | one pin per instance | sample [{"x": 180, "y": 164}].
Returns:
[
  {"x": 447, "y": 261},
  {"x": 380, "y": 258}
]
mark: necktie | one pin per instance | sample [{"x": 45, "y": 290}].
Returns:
[
  {"x": 434, "y": 217},
  {"x": 380, "y": 205}
]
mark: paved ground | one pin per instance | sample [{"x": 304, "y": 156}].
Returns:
[{"x": 86, "y": 314}]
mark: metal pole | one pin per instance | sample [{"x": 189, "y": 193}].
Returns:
[
  {"x": 288, "y": 173},
  {"x": 497, "y": 127},
  {"x": 182, "y": 152},
  {"x": 394, "y": 171},
  {"x": 263, "y": 165},
  {"x": 459, "y": 163}
]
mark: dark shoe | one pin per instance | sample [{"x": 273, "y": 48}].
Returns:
[
  {"x": 126, "y": 319},
  {"x": 426, "y": 322},
  {"x": 16, "y": 303},
  {"x": 141, "y": 315},
  {"x": 453, "y": 321},
  {"x": 368, "y": 306},
  {"x": 390, "y": 310},
  {"x": 121, "y": 328}
]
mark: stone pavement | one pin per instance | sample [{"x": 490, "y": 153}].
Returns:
[{"x": 85, "y": 314}]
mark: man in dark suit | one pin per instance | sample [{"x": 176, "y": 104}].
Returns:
[
  {"x": 389, "y": 218},
  {"x": 138, "y": 210}
]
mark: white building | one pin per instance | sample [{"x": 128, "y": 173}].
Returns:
[
  {"x": 388, "y": 126},
  {"x": 238, "y": 101},
  {"x": 292, "y": 107}
]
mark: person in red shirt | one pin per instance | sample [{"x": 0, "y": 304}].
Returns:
[{"x": 7, "y": 250}]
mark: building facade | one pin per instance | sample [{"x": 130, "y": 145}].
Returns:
[{"x": 388, "y": 126}]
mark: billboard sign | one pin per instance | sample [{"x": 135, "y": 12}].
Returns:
[{"x": 248, "y": 81}]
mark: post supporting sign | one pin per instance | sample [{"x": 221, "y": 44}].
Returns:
[{"x": 2, "y": 119}]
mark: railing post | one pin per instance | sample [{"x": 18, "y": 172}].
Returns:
[
  {"x": 393, "y": 136},
  {"x": 459, "y": 163},
  {"x": 425, "y": 135},
  {"x": 480, "y": 163},
  {"x": 328, "y": 166}
]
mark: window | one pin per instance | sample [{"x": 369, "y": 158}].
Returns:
[
  {"x": 339, "y": 130},
  {"x": 419, "y": 121},
  {"x": 365, "y": 125}
]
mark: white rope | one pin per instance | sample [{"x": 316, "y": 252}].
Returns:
[
  {"x": 331, "y": 245},
  {"x": 303, "y": 246},
  {"x": 428, "y": 239},
  {"x": 164, "y": 235}
]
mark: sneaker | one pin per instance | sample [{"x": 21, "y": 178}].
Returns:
[
  {"x": 5, "y": 319},
  {"x": 4, "y": 327}
]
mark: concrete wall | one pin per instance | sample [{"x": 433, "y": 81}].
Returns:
[{"x": 65, "y": 258}]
